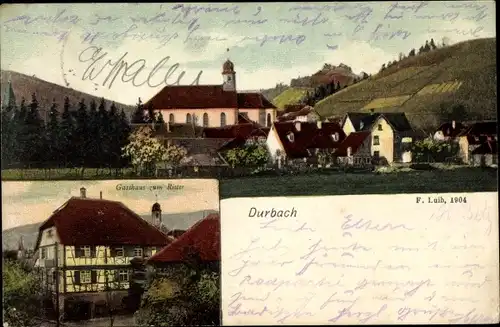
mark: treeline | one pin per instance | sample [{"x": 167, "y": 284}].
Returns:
[
  {"x": 324, "y": 90},
  {"x": 139, "y": 116},
  {"x": 81, "y": 136},
  {"x": 428, "y": 46}
]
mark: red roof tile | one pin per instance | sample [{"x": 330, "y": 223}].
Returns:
[
  {"x": 205, "y": 96},
  {"x": 354, "y": 141},
  {"x": 84, "y": 221},
  {"x": 309, "y": 137},
  {"x": 253, "y": 101},
  {"x": 203, "y": 238},
  {"x": 238, "y": 130}
]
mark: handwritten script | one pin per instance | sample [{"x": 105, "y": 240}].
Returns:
[{"x": 389, "y": 261}]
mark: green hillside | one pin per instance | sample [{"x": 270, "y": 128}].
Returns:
[
  {"x": 428, "y": 86},
  {"x": 291, "y": 95}
]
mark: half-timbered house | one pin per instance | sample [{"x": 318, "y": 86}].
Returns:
[{"x": 84, "y": 250}]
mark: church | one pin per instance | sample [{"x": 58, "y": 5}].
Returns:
[{"x": 212, "y": 105}]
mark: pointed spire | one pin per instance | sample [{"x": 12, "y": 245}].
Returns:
[{"x": 9, "y": 100}]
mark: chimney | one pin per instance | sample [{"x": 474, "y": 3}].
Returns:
[
  {"x": 349, "y": 151},
  {"x": 297, "y": 126},
  {"x": 100, "y": 195},
  {"x": 83, "y": 192},
  {"x": 453, "y": 124},
  {"x": 318, "y": 124}
]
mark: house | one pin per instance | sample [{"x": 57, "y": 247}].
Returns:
[
  {"x": 200, "y": 242},
  {"x": 85, "y": 248},
  {"x": 486, "y": 154},
  {"x": 212, "y": 105},
  {"x": 477, "y": 134},
  {"x": 288, "y": 141},
  {"x": 391, "y": 133},
  {"x": 298, "y": 112},
  {"x": 448, "y": 131},
  {"x": 355, "y": 150}
]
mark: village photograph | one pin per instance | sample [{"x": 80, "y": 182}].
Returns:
[
  {"x": 373, "y": 114},
  {"x": 118, "y": 253}
]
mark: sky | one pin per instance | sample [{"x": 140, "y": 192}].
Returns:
[
  {"x": 33, "y": 202},
  {"x": 79, "y": 45}
]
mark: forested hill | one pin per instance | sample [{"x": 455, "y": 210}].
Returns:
[
  {"x": 46, "y": 92},
  {"x": 452, "y": 82}
]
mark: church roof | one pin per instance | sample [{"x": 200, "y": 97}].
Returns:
[
  {"x": 205, "y": 97},
  {"x": 228, "y": 67}
]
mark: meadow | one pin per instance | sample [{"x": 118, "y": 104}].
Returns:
[{"x": 460, "y": 179}]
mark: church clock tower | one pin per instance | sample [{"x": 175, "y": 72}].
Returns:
[{"x": 229, "y": 76}]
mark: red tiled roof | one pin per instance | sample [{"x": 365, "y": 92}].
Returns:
[
  {"x": 488, "y": 147},
  {"x": 449, "y": 131},
  {"x": 203, "y": 238},
  {"x": 205, "y": 96},
  {"x": 84, "y": 221},
  {"x": 253, "y": 100},
  {"x": 354, "y": 141},
  {"x": 309, "y": 137},
  {"x": 294, "y": 114},
  {"x": 238, "y": 130}
]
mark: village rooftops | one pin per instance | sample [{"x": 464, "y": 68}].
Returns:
[
  {"x": 86, "y": 221},
  {"x": 364, "y": 120},
  {"x": 202, "y": 239},
  {"x": 205, "y": 96},
  {"x": 298, "y": 137},
  {"x": 354, "y": 141},
  {"x": 451, "y": 129}
]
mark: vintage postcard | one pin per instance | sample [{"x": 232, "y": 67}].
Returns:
[
  {"x": 270, "y": 99},
  {"x": 111, "y": 251}
]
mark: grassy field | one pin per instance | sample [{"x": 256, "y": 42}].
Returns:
[
  {"x": 328, "y": 183},
  {"x": 289, "y": 96},
  {"x": 434, "y": 181},
  {"x": 473, "y": 63}
]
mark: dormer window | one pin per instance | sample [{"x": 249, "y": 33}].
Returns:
[
  {"x": 291, "y": 137},
  {"x": 361, "y": 125},
  {"x": 335, "y": 137}
]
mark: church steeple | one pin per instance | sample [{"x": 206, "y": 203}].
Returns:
[
  {"x": 156, "y": 214},
  {"x": 228, "y": 75}
]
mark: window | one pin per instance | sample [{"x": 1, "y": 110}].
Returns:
[
  {"x": 188, "y": 119},
  {"x": 119, "y": 252},
  {"x": 269, "y": 122},
  {"x": 205, "y": 120},
  {"x": 86, "y": 251},
  {"x": 291, "y": 137},
  {"x": 376, "y": 154},
  {"x": 54, "y": 277},
  {"x": 222, "y": 119},
  {"x": 138, "y": 252},
  {"x": 335, "y": 137},
  {"x": 123, "y": 276},
  {"x": 376, "y": 140},
  {"x": 43, "y": 253},
  {"x": 85, "y": 276},
  {"x": 229, "y": 78},
  {"x": 379, "y": 127},
  {"x": 50, "y": 233},
  {"x": 171, "y": 118}
]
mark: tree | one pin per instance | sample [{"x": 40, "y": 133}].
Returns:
[
  {"x": 411, "y": 53},
  {"x": 138, "y": 116},
  {"x": 188, "y": 296},
  {"x": 32, "y": 133},
  {"x": 22, "y": 295},
  {"x": 103, "y": 130},
  {"x": 401, "y": 56},
  {"x": 382, "y": 68},
  {"x": 66, "y": 132},
  {"x": 338, "y": 86},
  {"x": 53, "y": 133},
  {"x": 123, "y": 134},
  {"x": 430, "y": 150},
  {"x": 421, "y": 50},
  {"x": 95, "y": 152},
  {"x": 146, "y": 152},
  {"x": 433, "y": 45},
  {"x": 160, "y": 119},
  {"x": 427, "y": 47},
  {"x": 151, "y": 119},
  {"x": 9, "y": 125},
  {"x": 254, "y": 155},
  {"x": 82, "y": 135}
]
